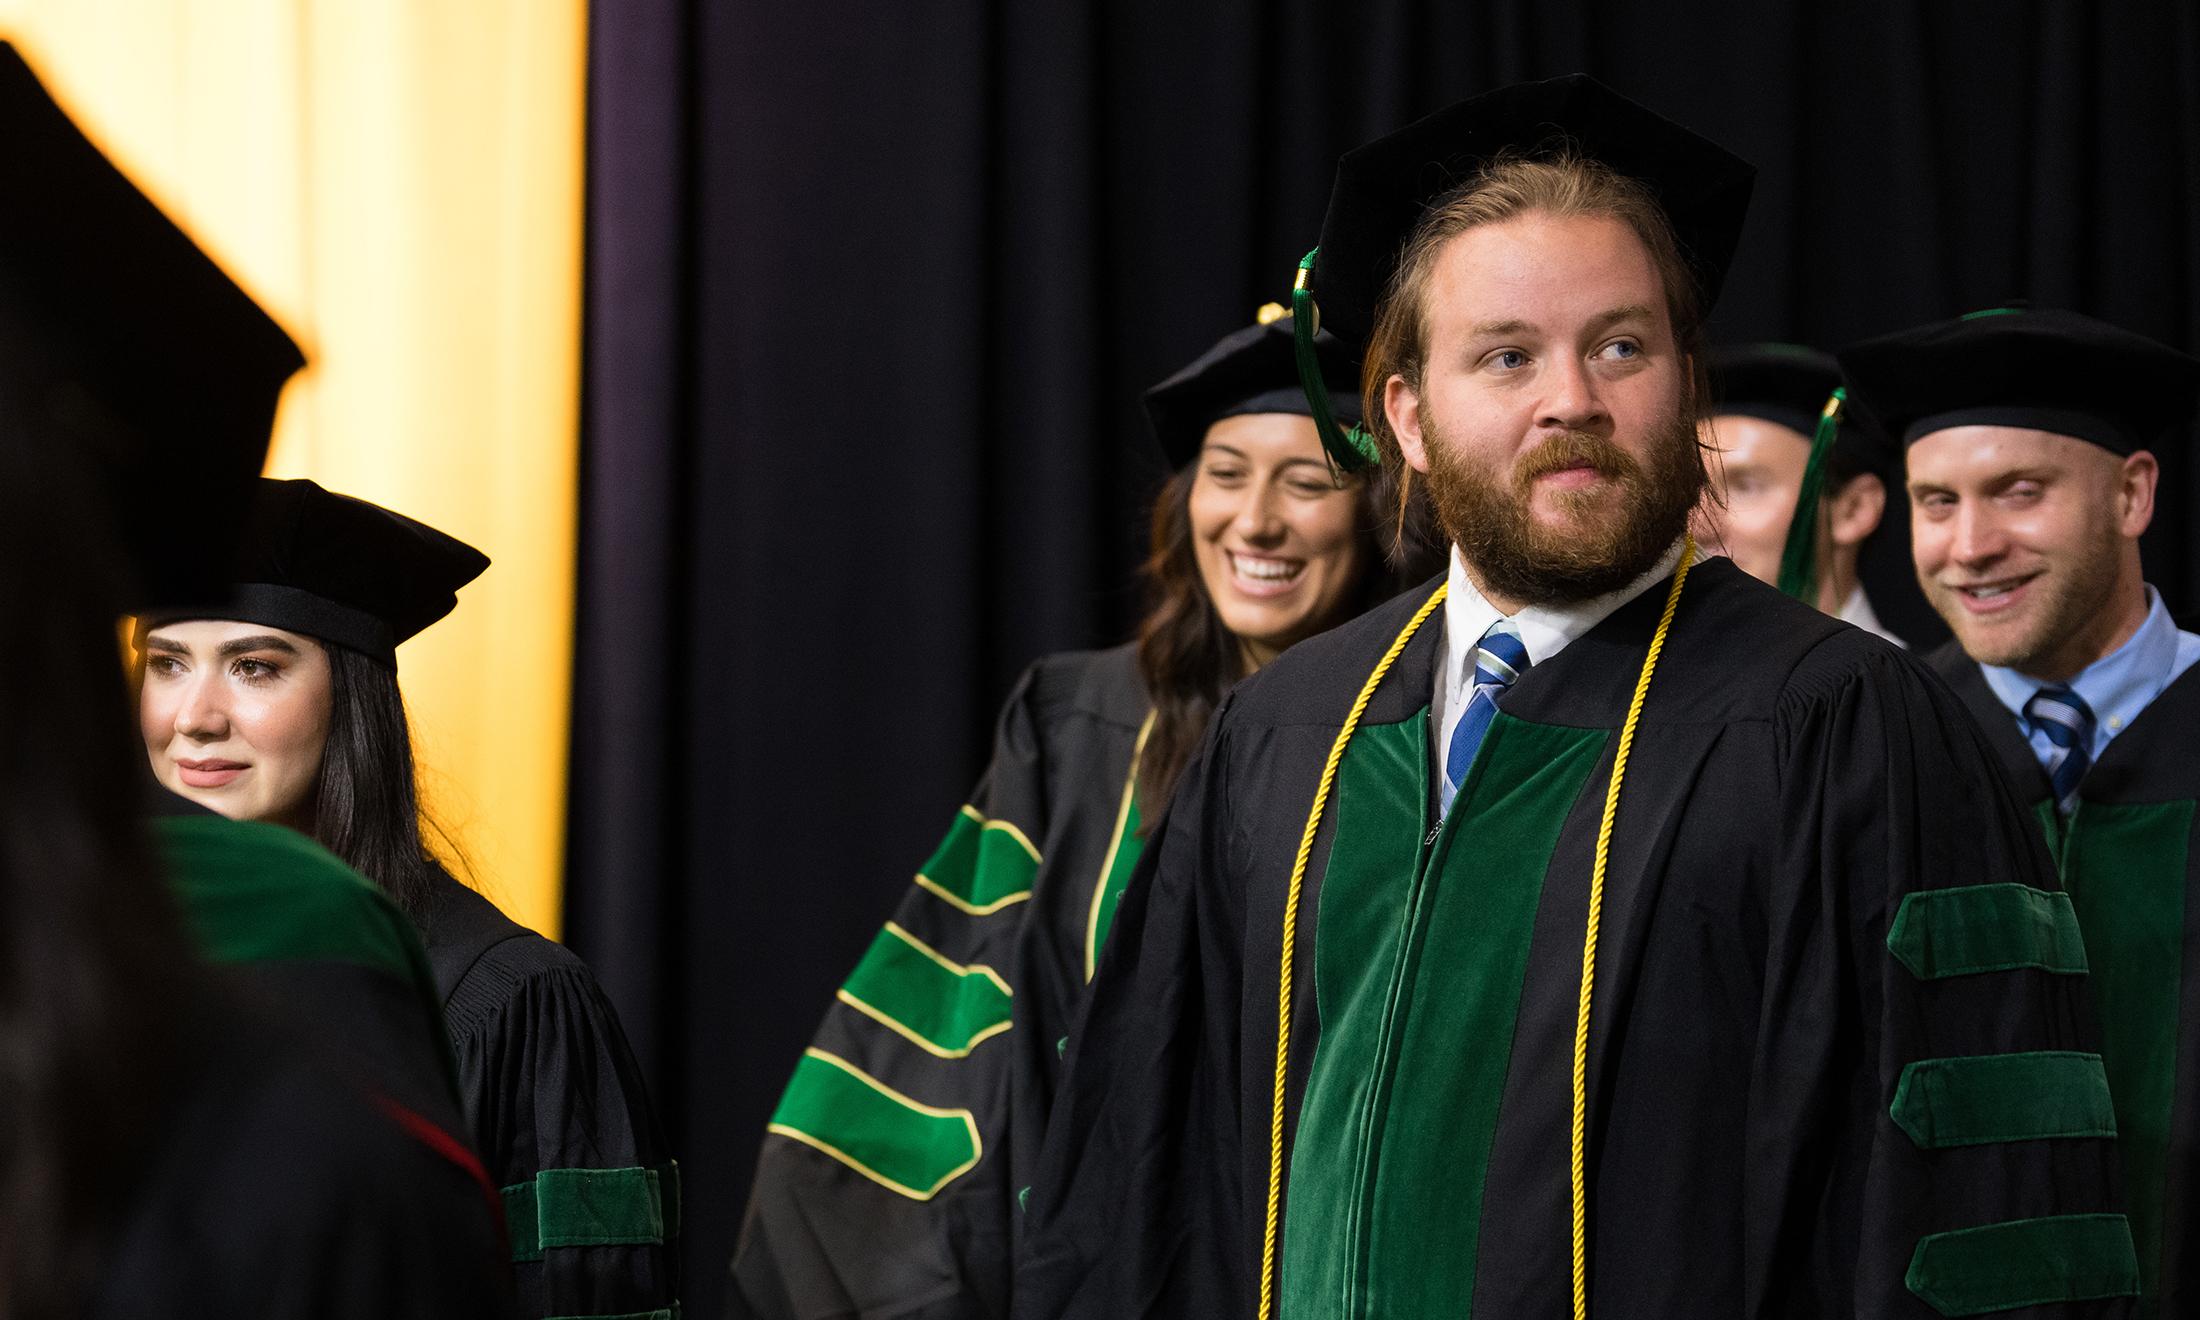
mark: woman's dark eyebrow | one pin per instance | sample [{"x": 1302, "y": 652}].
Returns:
[{"x": 264, "y": 642}]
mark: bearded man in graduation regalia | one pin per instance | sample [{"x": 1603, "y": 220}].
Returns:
[
  {"x": 1595, "y": 928},
  {"x": 2029, "y": 438}
]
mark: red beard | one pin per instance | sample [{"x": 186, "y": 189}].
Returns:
[{"x": 1616, "y": 532}]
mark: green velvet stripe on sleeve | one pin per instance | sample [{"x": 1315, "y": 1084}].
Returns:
[
  {"x": 1986, "y": 928},
  {"x": 593, "y": 1208},
  {"x": 1985, "y": 1098},
  {"x": 939, "y": 1005},
  {"x": 2025, "y": 1262},
  {"x": 900, "y": 1143},
  {"x": 981, "y": 866}
]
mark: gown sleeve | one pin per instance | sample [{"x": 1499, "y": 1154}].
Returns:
[
  {"x": 884, "y": 1187},
  {"x": 1978, "y": 1161},
  {"x": 1136, "y": 1211},
  {"x": 558, "y": 1105}
]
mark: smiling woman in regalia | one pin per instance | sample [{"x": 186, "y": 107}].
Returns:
[{"x": 890, "y": 1180}]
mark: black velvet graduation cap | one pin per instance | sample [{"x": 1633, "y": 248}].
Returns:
[
  {"x": 1785, "y": 384},
  {"x": 1253, "y": 370},
  {"x": 125, "y": 352},
  {"x": 339, "y": 569},
  {"x": 1788, "y": 385},
  {"x": 1384, "y": 188},
  {"x": 2041, "y": 369}
]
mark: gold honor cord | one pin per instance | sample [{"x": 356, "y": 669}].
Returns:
[
  {"x": 1596, "y": 917},
  {"x": 1291, "y": 944},
  {"x": 1588, "y": 960}
]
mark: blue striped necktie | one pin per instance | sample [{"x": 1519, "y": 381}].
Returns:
[
  {"x": 1499, "y": 659},
  {"x": 2058, "y": 712}
]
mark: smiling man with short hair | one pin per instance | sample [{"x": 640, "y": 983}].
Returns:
[
  {"x": 1594, "y": 926},
  {"x": 2030, "y": 480}
]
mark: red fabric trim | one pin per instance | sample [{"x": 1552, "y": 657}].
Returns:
[{"x": 428, "y": 1134}]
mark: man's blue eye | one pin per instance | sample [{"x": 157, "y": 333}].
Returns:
[{"x": 1511, "y": 359}]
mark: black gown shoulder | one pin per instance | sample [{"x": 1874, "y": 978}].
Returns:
[
  {"x": 561, "y": 1114},
  {"x": 2152, "y": 760},
  {"x": 1100, "y": 685}
]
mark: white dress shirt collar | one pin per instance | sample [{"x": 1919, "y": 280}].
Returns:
[{"x": 1545, "y": 630}]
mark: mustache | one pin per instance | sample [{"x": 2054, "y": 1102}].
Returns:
[{"x": 1575, "y": 449}]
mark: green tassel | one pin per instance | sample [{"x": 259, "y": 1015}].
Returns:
[
  {"x": 1348, "y": 450},
  {"x": 1799, "y": 561}
]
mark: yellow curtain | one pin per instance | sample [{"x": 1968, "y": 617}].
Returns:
[{"x": 400, "y": 182}]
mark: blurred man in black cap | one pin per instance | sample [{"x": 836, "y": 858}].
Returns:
[
  {"x": 1594, "y": 927},
  {"x": 1769, "y": 402},
  {"x": 2030, "y": 478},
  {"x": 176, "y": 1141}
]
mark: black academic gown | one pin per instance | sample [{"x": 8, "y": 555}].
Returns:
[
  {"x": 275, "y": 1186},
  {"x": 559, "y": 1111},
  {"x": 887, "y": 1186},
  {"x": 2128, "y": 857},
  {"x": 1837, "y": 1061}
]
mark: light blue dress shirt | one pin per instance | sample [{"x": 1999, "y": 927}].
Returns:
[{"x": 2117, "y": 686}]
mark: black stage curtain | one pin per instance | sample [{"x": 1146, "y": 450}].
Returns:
[{"x": 872, "y": 290}]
